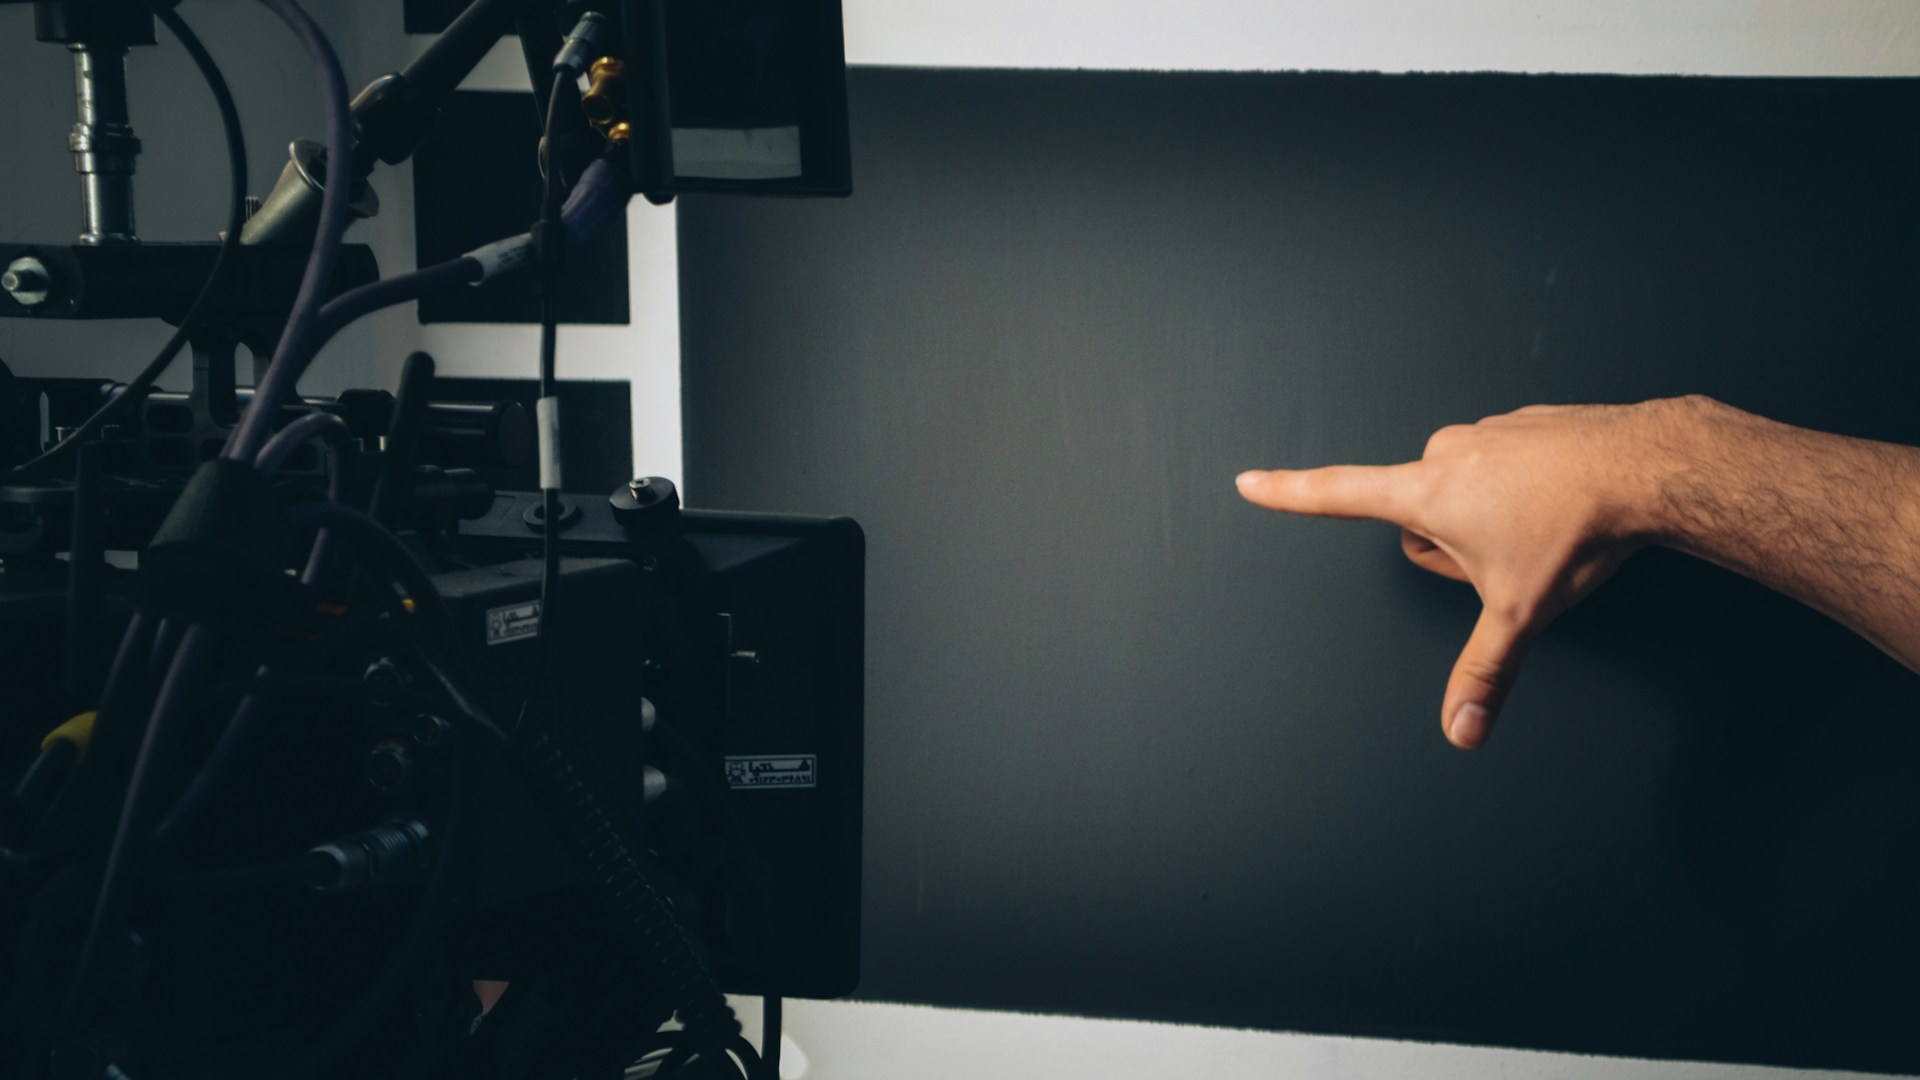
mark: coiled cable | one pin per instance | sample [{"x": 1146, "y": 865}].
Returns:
[{"x": 576, "y": 814}]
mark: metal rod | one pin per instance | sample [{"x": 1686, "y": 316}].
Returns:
[{"x": 103, "y": 144}]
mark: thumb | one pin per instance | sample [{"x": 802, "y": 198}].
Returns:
[{"x": 1482, "y": 677}]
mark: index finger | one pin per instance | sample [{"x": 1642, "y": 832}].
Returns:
[{"x": 1342, "y": 491}]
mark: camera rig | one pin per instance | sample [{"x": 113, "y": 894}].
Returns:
[{"x": 324, "y": 754}]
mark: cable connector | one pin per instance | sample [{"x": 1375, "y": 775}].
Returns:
[
  {"x": 583, "y": 43},
  {"x": 387, "y": 852},
  {"x": 502, "y": 256}
]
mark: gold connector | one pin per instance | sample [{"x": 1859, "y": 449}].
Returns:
[
  {"x": 620, "y": 133},
  {"x": 606, "y": 91}
]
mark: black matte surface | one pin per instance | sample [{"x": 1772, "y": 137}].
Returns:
[{"x": 1136, "y": 748}]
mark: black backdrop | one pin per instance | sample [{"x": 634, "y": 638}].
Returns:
[{"x": 1139, "y": 749}]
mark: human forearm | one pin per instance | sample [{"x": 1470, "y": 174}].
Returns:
[{"x": 1831, "y": 521}]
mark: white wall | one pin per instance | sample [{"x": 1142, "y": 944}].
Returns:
[{"x": 1639, "y": 37}]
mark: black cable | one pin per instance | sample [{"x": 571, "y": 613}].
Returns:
[
  {"x": 86, "y": 581},
  {"x": 427, "y": 925},
  {"x": 438, "y": 644},
  {"x": 126, "y": 854},
  {"x": 770, "y": 1015},
  {"x": 750, "y": 1061},
  {"x": 236, "y": 217},
  {"x": 668, "y": 947},
  {"x": 549, "y": 237},
  {"x": 305, "y": 688},
  {"x": 750, "y": 1065},
  {"x": 539, "y": 42},
  {"x": 429, "y": 627},
  {"x": 549, "y": 231},
  {"x": 81, "y": 805},
  {"x": 403, "y": 438},
  {"x": 711, "y": 789}
]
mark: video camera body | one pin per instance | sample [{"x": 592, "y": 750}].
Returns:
[{"x": 328, "y": 734}]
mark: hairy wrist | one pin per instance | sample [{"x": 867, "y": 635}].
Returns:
[{"x": 1679, "y": 451}]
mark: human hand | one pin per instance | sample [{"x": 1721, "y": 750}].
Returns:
[{"x": 1534, "y": 509}]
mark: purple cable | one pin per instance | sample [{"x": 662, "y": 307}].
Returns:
[
  {"x": 338, "y": 312},
  {"x": 596, "y": 196},
  {"x": 283, "y": 373},
  {"x": 188, "y": 665},
  {"x": 272, "y": 456},
  {"x": 166, "y": 641},
  {"x": 127, "y": 671},
  {"x": 316, "y": 424},
  {"x": 194, "y": 654}
]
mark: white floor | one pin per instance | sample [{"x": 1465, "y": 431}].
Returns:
[{"x": 836, "y": 1040}]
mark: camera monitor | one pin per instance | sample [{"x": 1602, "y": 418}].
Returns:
[{"x": 755, "y": 97}]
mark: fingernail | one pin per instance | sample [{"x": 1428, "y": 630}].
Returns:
[
  {"x": 1470, "y": 725},
  {"x": 1251, "y": 476}
]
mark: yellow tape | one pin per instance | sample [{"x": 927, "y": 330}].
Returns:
[{"x": 78, "y": 731}]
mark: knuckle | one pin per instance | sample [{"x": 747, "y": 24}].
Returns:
[
  {"x": 1424, "y": 491},
  {"x": 1448, "y": 436},
  {"x": 1493, "y": 676},
  {"x": 1510, "y": 614}
]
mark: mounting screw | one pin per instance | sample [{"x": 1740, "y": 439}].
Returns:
[{"x": 28, "y": 281}]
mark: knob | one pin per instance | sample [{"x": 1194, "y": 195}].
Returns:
[
  {"x": 28, "y": 281},
  {"x": 645, "y": 502}
]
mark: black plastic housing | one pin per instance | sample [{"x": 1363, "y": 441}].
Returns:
[
  {"x": 746, "y": 634},
  {"x": 775, "y": 68}
]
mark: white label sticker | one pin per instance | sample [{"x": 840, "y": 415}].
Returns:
[
  {"x": 772, "y": 771},
  {"x": 513, "y": 622},
  {"x": 768, "y": 153}
]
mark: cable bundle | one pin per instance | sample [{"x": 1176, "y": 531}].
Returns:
[{"x": 232, "y": 517}]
